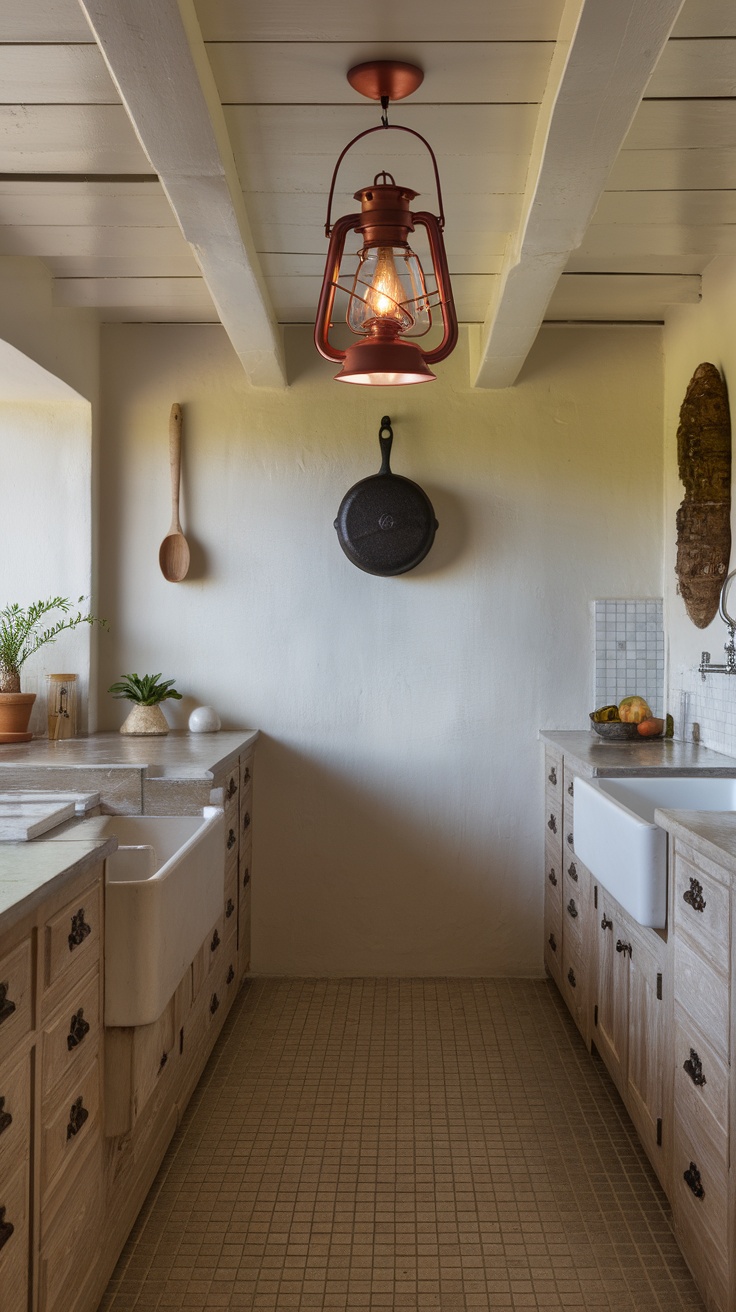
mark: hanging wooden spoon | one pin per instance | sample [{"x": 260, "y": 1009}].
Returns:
[{"x": 173, "y": 555}]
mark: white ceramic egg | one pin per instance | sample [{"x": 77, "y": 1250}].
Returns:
[{"x": 204, "y": 719}]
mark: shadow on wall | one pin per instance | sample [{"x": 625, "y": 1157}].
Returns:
[{"x": 381, "y": 888}]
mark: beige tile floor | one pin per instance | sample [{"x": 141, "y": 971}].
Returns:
[{"x": 408, "y": 1144}]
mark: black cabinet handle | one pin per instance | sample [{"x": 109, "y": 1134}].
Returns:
[
  {"x": 163, "y": 1061},
  {"x": 552, "y": 823},
  {"x": 606, "y": 923},
  {"x": 692, "y": 1179},
  {"x": 230, "y": 976},
  {"x": 6, "y": 1119},
  {"x": 571, "y": 977},
  {"x": 229, "y": 908},
  {"x": 231, "y": 840},
  {"x": 214, "y": 1004},
  {"x": 569, "y": 840},
  {"x": 552, "y": 776},
  {"x": 78, "y": 1114},
  {"x": 572, "y": 871},
  {"x": 232, "y": 787},
  {"x": 246, "y": 775},
  {"x": 552, "y": 877},
  {"x": 6, "y": 1228},
  {"x": 78, "y": 1028},
  {"x": 246, "y": 821},
  {"x": 246, "y": 877},
  {"x": 623, "y": 947},
  {"x": 552, "y": 942},
  {"x": 215, "y": 942},
  {"x": 79, "y": 931},
  {"x": 570, "y": 787},
  {"x": 694, "y": 1068},
  {"x": 6, "y": 1006},
  {"x": 694, "y": 895},
  {"x": 572, "y": 909}
]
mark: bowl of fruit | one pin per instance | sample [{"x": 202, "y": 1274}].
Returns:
[{"x": 632, "y": 718}]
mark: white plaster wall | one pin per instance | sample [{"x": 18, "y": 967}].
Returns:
[
  {"x": 398, "y": 811},
  {"x": 693, "y": 334},
  {"x": 49, "y": 380}
]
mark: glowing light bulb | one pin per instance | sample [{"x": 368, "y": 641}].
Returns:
[{"x": 386, "y": 293}]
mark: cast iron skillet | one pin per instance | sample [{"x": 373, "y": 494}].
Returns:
[{"x": 385, "y": 524}]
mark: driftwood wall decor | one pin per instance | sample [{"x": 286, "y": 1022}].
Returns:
[{"x": 704, "y": 517}]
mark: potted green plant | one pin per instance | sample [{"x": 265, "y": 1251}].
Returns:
[
  {"x": 146, "y": 692},
  {"x": 22, "y": 633}
]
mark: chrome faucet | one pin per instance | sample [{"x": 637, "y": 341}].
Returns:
[{"x": 729, "y": 647}]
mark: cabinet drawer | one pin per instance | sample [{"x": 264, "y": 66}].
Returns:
[
  {"x": 552, "y": 773},
  {"x": 71, "y": 944},
  {"x": 14, "y": 1227},
  {"x": 702, "y": 913},
  {"x": 553, "y": 938},
  {"x": 703, "y": 995},
  {"x": 69, "y": 1230},
  {"x": 574, "y": 908},
  {"x": 71, "y": 1033},
  {"x": 70, "y": 1126},
  {"x": 16, "y": 995},
  {"x": 208, "y": 956},
  {"x": 246, "y": 773},
  {"x": 701, "y": 1079},
  {"x": 700, "y": 1206},
  {"x": 553, "y": 869},
  {"x": 230, "y": 785},
  {"x": 15, "y": 1114},
  {"x": 222, "y": 984},
  {"x": 574, "y": 986}
]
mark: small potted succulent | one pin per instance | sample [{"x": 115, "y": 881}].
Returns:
[
  {"x": 21, "y": 634},
  {"x": 146, "y": 692}
]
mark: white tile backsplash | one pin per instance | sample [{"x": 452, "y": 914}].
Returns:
[
  {"x": 705, "y": 709},
  {"x": 629, "y": 652}
]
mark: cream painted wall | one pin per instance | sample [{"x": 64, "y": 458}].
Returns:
[
  {"x": 49, "y": 380},
  {"x": 399, "y": 782},
  {"x": 693, "y": 334}
]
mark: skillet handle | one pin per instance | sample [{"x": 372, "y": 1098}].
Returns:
[{"x": 386, "y": 443}]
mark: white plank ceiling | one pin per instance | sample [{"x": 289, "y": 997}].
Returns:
[{"x": 94, "y": 179}]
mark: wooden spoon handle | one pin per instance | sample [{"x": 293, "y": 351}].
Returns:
[{"x": 175, "y": 424}]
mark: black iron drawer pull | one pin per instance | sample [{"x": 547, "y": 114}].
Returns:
[
  {"x": 623, "y": 947},
  {"x": 6, "y": 1228},
  {"x": 552, "y": 877},
  {"x": 694, "y": 896},
  {"x": 78, "y": 1027},
  {"x": 80, "y": 930},
  {"x": 569, "y": 840},
  {"x": 570, "y": 787},
  {"x": 6, "y": 1006},
  {"x": 246, "y": 775},
  {"x": 246, "y": 877},
  {"x": 246, "y": 820},
  {"x": 229, "y": 908},
  {"x": 231, "y": 840},
  {"x": 78, "y": 1114},
  {"x": 692, "y": 1179},
  {"x": 552, "y": 776},
  {"x": 694, "y": 1068},
  {"x": 214, "y": 945},
  {"x": 214, "y": 1004},
  {"x": 230, "y": 976},
  {"x": 552, "y": 942},
  {"x": 572, "y": 871},
  {"x": 552, "y": 823},
  {"x": 572, "y": 909},
  {"x": 163, "y": 1061},
  {"x": 6, "y": 1119},
  {"x": 606, "y": 923},
  {"x": 571, "y": 977},
  {"x": 232, "y": 787}
]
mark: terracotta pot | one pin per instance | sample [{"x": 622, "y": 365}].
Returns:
[
  {"x": 145, "y": 722},
  {"x": 15, "y": 712}
]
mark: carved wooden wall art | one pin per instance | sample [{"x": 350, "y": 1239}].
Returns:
[{"x": 704, "y": 517}]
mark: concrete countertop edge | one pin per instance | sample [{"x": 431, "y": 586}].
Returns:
[
  {"x": 647, "y": 756},
  {"x": 242, "y": 740},
  {"x": 95, "y": 852},
  {"x": 712, "y": 833}
]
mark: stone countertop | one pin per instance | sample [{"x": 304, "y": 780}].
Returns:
[
  {"x": 653, "y": 756},
  {"x": 713, "y": 833},
  {"x": 30, "y": 871},
  {"x": 177, "y": 755}
]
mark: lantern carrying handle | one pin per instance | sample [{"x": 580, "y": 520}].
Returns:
[{"x": 385, "y": 127}]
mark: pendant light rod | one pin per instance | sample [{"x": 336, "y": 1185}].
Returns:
[{"x": 388, "y": 127}]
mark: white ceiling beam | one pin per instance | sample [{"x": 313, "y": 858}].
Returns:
[
  {"x": 159, "y": 65},
  {"x": 605, "y": 54}
]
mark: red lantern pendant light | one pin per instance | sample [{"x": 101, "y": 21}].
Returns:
[{"x": 389, "y": 299}]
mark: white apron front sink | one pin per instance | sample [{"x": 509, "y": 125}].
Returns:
[
  {"x": 164, "y": 889},
  {"x": 615, "y": 835}
]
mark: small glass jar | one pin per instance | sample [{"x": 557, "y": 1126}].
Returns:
[{"x": 61, "y": 705}]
